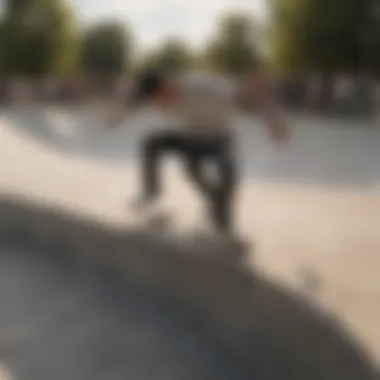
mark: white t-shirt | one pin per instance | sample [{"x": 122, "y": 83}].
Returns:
[{"x": 205, "y": 103}]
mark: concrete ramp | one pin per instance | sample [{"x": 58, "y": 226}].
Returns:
[
  {"x": 254, "y": 325},
  {"x": 171, "y": 306},
  {"x": 59, "y": 321}
]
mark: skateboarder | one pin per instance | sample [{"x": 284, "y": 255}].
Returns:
[{"x": 205, "y": 106}]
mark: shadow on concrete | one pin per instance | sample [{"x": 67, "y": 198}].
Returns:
[
  {"x": 60, "y": 322},
  {"x": 269, "y": 332}
]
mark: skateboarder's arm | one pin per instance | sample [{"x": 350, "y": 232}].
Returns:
[
  {"x": 271, "y": 112},
  {"x": 164, "y": 98},
  {"x": 275, "y": 120},
  {"x": 116, "y": 112}
]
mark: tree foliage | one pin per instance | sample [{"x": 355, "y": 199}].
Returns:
[
  {"x": 106, "y": 49},
  {"x": 324, "y": 35},
  {"x": 172, "y": 56},
  {"x": 233, "y": 50},
  {"x": 372, "y": 34},
  {"x": 38, "y": 37}
]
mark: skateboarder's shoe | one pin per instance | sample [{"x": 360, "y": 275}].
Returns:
[{"x": 142, "y": 203}]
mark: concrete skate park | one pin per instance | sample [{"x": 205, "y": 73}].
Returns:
[{"x": 89, "y": 292}]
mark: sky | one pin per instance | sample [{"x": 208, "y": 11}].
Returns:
[{"x": 154, "y": 20}]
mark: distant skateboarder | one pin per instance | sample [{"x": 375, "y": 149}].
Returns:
[{"x": 205, "y": 105}]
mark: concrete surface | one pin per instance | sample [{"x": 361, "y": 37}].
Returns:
[
  {"x": 259, "y": 326},
  {"x": 57, "y": 322},
  {"x": 320, "y": 242},
  {"x": 321, "y": 150}
]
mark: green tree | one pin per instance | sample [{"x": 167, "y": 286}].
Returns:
[
  {"x": 172, "y": 56},
  {"x": 38, "y": 37},
  {"x": 234, "y": 49},
  {"x": 106, "y": 49},
  {"x": 324, "y": 34},
  {"x": 371, "y": 35}
]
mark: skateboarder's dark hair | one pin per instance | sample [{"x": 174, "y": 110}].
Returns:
[{"x": 147, "y": 85}]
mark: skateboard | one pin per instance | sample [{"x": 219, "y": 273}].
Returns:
[{"x": 164, "y": 222}]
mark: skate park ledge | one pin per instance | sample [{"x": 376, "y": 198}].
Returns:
[{"x": 270, "y": 332}]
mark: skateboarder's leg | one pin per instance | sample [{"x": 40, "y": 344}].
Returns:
[
  {"x": 195, "y": 169},
  {"x": 153, "y": 150},
  {"x": 222, "y": 201},
  {"x": 219, "y": 195}
]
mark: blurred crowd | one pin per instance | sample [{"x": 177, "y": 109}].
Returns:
[{"x": 340, "y": 94}]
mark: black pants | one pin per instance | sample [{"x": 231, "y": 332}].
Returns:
[{"x": 196, "y": 151}]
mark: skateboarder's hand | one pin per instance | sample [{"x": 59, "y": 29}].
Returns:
[
  {"x": 275, "y": 121},
  {"x": 115, "y": 114}
]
